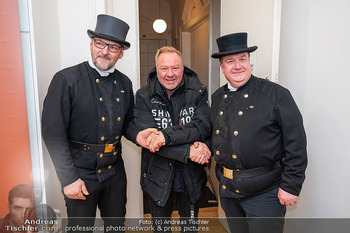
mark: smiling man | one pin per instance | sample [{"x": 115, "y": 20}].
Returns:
[
  {"x": 88, "y": 108},
  {"x": 258, "y": 141},
  {"x": 176, "y": 103}
]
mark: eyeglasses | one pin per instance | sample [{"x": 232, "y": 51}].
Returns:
[{"x": 111, "y": 47}]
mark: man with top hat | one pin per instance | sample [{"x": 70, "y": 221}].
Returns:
[
  {"x": 88, "y": 108},
  {"x": 258, "y": 141}
]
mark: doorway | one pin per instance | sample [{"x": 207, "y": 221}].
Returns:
[
  {"x": 148, "y": 49},
  {"x": 189, "y": 32}
]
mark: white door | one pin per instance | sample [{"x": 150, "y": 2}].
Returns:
[
  {"x": 261, "y": 20},
  {"x": 199, "y": 51}
]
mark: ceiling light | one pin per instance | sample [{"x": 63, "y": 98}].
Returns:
[{"x": 159, "y": 25}]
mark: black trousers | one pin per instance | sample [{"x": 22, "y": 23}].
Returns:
[
  {"x": 256, "y": 214},
  {"x": 109, "y": 196},
  {"x": 187, "y": 210}
]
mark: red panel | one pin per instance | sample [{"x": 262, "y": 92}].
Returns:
[{"x": 15, "y": 157}]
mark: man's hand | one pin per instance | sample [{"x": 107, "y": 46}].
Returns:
[
  {"x": 155, "y": 141},
  {"x": 143, "y": 135},
  {"x": 287, "y": 198},
  {"x": 76, "y": 190},
  {"x": 199, "y": 153}
]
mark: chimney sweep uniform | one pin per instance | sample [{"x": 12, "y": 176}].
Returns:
[
  {"x": 85, "y": 114},
  {"x": 258, "y": 142}
]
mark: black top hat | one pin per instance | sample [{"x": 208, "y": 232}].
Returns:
[
  {"x": 233, "y": 43},
  {"x": 111, "y": 28}
]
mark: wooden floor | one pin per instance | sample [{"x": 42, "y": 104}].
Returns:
[{"x": 207, "y": 217}]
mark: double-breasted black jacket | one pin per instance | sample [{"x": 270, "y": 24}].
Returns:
[
  {"x": 257, "y": 126},
  {"x": 83, "y": 106}
]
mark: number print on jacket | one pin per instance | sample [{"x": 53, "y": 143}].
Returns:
[{"x": 163, "y": 118}]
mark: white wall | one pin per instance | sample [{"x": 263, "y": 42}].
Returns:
[
  {"x": 47, "y": 50},
  {"x": 313, "y": 64},
  {"x": 61, "y": 40},
  {"x": 257, "y": 19},
  {"x": 31, "y": 88}
]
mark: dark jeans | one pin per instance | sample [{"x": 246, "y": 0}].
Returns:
[
  {"x": 186, "y": 209},
  {"x": 109, "y": 196},
  {"x": 256, "y": 214}
]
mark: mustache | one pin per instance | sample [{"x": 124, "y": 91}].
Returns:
[{"x": 104, "y": 56}]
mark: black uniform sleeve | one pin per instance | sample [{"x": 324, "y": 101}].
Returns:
[
  {"x": 130, "y": 130},
  {"x": 294, "y": 144},
  {"x": 198, "y": 129},
  {"x": 144, "y": 120},
  {"x": 55, "y": 123}
]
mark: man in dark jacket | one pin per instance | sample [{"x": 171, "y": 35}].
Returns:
[
  {"x": 258, "y": 141},
  {"x": 176, "y": 103},
  {"x": 88, "y": 108},
  {"x": 20, "y": 201}
]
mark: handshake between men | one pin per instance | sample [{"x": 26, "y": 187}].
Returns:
[{"x": 153, "y": 140}]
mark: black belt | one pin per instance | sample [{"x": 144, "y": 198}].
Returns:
[
  {"x": 237, "y": 174},
  {"x": 97, "y": 148}
]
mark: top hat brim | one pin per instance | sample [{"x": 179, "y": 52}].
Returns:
[
  {"x": 249, "y": 50},
  {"x": 125, "y": 44}
]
